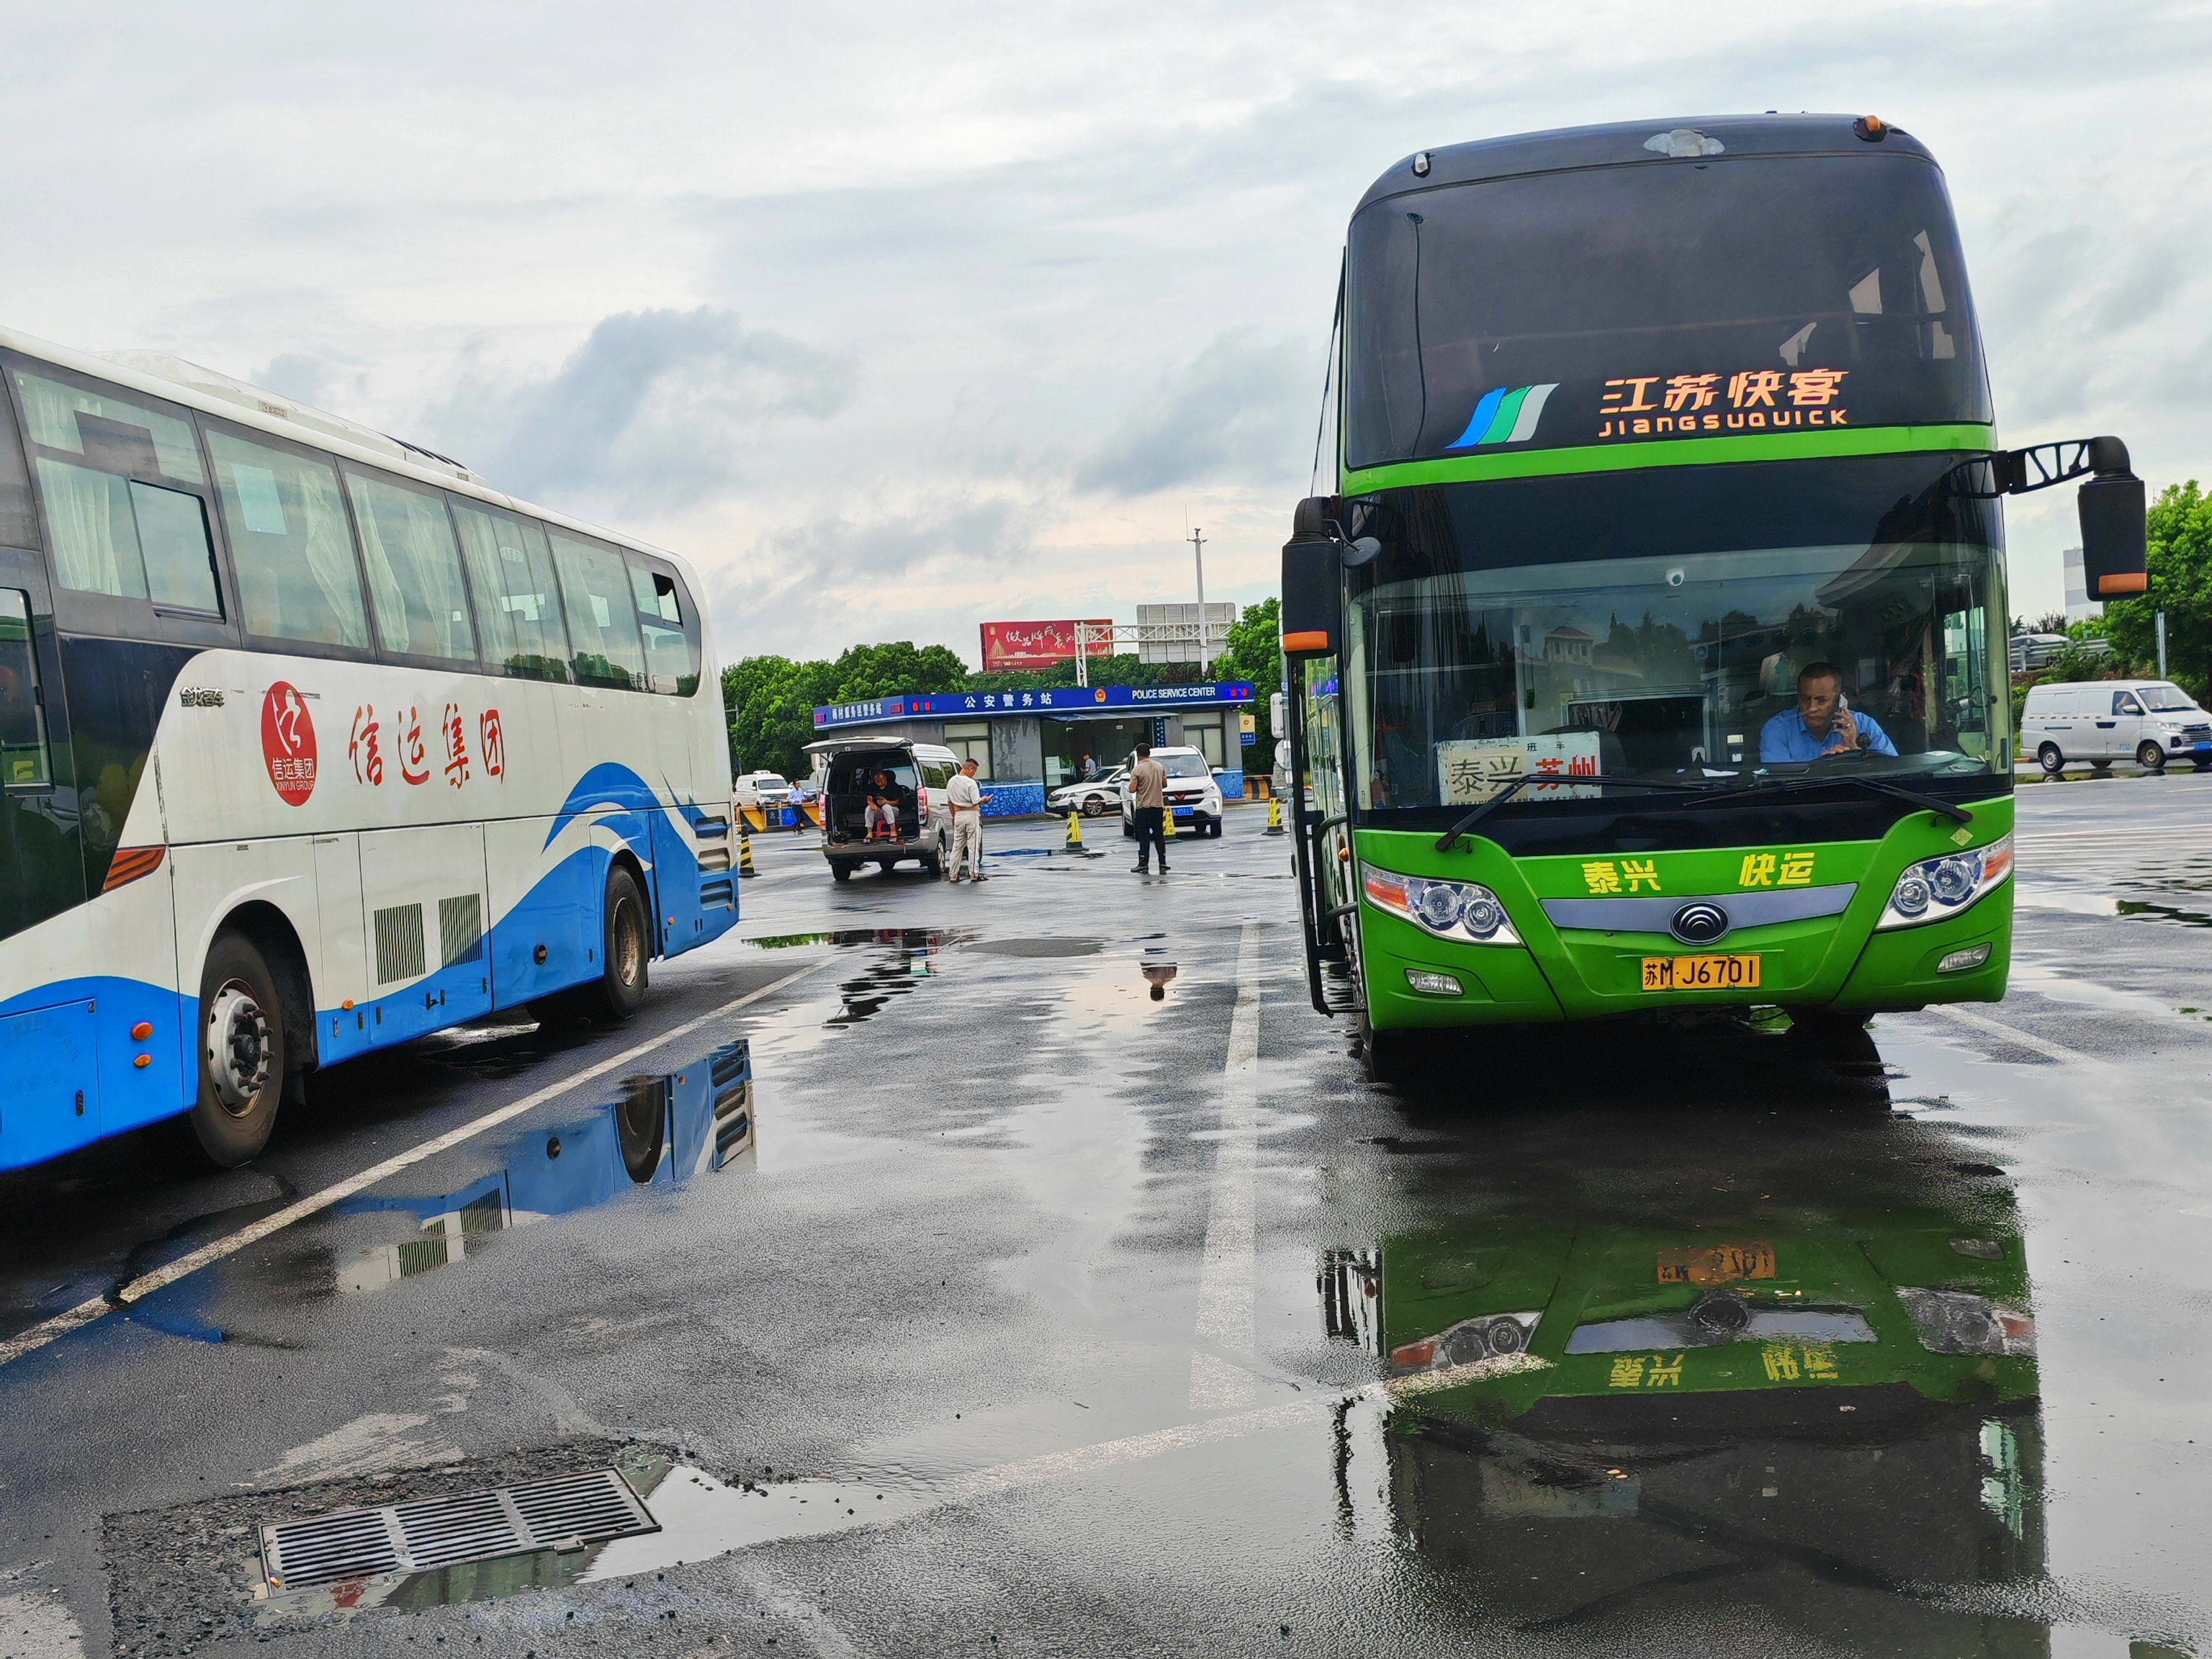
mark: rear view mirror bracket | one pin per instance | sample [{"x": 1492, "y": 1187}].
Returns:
[{"x": 2111, "y": 502}]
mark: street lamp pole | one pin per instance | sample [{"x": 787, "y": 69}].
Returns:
[{"x": 1198, "y": 552}]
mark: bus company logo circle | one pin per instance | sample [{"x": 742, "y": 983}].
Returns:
[
  {"x": 288, "y": 743},
  {"x": 1698, "y": 923}
]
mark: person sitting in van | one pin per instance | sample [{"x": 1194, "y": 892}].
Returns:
[
  {"x": 1822, "y": 723},
  {"x": 880, "y": 820}
]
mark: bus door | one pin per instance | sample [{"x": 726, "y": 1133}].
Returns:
[
  {"x": 49, "y": 1046},
  {"x": 1312, "y": 614},
  {"x": 422, "y": 891}
]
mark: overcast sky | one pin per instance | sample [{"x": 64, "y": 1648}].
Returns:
[{"x": 895, "y": 319}]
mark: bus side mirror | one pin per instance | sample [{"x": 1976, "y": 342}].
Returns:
[
  {"x": 1313, "y": 583},
  {"x": 2112, "y": 534}
]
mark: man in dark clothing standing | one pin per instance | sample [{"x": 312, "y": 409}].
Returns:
[{"x": 1148, "y": 796}]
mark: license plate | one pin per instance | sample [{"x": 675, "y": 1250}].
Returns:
[{"x": 1700, "y": 973}]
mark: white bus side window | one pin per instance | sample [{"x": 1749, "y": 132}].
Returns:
[
  {"x": 119, "y": 529},
  {"x": 602, "y": 614},
  {"x": 672, "y": 633},
  {"x": 518, "y": 606},
  {"x": 24, "y": 761},
  {"x": 415, "y": 581},
  {"x": 297, "y": 580}
]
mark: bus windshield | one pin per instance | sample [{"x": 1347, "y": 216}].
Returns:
[{"x": 1657, "y": 300}]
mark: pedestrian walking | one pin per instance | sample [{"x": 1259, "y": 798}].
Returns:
[
  {"x": 1148, "y": 796},
  {"x": 967, "y": 802}
]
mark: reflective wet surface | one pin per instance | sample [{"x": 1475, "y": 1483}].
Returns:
[{"x": 1027, "y": 1269}]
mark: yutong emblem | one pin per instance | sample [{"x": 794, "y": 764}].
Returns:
[{"x": 1698, "y": 923}]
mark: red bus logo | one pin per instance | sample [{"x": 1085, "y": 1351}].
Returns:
[{"x": 288, "y": 743}]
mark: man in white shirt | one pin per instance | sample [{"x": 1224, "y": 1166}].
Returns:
[{"x": 967, "y": 803}]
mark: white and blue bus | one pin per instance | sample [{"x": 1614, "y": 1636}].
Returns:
[{"x": 311, "y": 742}]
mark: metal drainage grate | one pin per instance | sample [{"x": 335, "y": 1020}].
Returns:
[{"x": 564, "y": 1513}]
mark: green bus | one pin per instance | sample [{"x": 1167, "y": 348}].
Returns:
[{"x": 1650, "y": 657}]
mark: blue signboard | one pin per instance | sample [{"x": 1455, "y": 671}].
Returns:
[{"x": 1064, "y": 702}]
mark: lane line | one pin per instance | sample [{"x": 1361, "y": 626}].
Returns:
[
  {"x": 2012, "y": 1034},
  {"x": 1225, "y": 1276},
  {"x": 1084, "y": 1459},
  {"x": 38, "y": 1336}
]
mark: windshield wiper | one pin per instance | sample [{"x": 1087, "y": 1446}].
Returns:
[
  {"x": 1445, "y": 841},
  {"x": 1926, "y": 803}
]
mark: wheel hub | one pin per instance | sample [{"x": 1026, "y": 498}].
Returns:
[{"x": 238, "y": 1047}]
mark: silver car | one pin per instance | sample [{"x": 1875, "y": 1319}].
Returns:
[{"x": 1093, "y": 797}]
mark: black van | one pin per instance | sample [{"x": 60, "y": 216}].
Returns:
[{"x": 909, "y": 780}]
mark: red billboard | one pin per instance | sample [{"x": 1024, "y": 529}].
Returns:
[{"x": 1019, "y": 646}]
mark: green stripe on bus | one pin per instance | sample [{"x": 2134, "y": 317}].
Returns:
[
  {"x": 1670, "y": 451},
  {"x": 1501, "y": 425}
]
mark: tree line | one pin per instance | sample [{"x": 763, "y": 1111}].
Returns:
[{"x": 770, "y": 701}]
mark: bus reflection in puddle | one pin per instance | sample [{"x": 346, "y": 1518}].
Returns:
[
  {"x": 662, "y": 1131},
  {"x": 1822, "y": 1411}
]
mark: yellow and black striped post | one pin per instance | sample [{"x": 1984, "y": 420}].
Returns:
[
  {"x": 1074, "y": 834},
  {"x": 745, "y": 851},
  {"x": 1274, "y": 815}
]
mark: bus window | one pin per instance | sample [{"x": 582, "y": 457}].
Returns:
[
  {"x": 414, "y": 569},
  {"x": 19, "y": 526},
  {"x": 672, "y": 633},
  {"x": 24, "y": 762},
  {"x": 297, "y": 580},
  {"x": 118, "y": 527},
  {"x": 602, "y": 614},
  {"x": 512, "y": 567}
]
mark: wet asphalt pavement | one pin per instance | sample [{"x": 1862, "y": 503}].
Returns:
[{"x": 993, "y": 1278}]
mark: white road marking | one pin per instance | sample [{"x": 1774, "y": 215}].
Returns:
[
  {"x": 145, "y": 1285},
  {"x": 37, "y": 1625},
  {"x": 2012, "y": 1034},
  {"x": 1225, "y": 1274},
  {"x": 364, "y": 1446}
]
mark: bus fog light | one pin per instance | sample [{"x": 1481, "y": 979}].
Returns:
[
  {"x": 1958, "y": 962},
  {"x": 1432, "y": 985},
  {"x": 1936, "y": 888}
]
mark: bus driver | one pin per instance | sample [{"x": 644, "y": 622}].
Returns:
[{"x": 1822, "y": 723}]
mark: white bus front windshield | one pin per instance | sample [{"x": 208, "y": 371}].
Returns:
[{"x": 1685, "y": 667}]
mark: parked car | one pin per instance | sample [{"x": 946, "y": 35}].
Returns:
[
  {"x": 1194, "y": 792},
  {"x": 915, "y": 775},
  {"x": 2030, "y": 651},
  {"x": 2099, "y": 721},
  {"x": 1094, "y": 797},
  {"x": 760, "y": 790}
]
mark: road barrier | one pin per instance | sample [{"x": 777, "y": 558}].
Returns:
[{"x": 745, "y": 852}]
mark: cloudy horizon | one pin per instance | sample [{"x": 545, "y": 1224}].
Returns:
[{"x": 895, "y": 322}]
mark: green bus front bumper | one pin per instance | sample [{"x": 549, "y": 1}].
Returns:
[{"x": 1838, "y": 961}]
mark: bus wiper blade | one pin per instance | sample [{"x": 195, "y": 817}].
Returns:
[
  {"x": 1926, "y": 803},
  {"x": 1445, "y": 842}
]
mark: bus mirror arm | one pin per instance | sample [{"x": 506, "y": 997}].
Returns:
[{"x": 2114, "y": 544}]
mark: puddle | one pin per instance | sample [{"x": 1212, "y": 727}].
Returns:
[
  {"x": 663, "y": 1131},
  {"x": 1036, "y": 947},
  {"x": 2162, "y": 911},
  {"x": 701, "y": 1516}
]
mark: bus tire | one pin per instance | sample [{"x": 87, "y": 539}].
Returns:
[
  {"x": 1384, "y": 1056},
  {"x": 242, "y": 1063},
  {"x": 626, "y": 945}
]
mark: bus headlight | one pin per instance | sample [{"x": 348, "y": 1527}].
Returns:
[
  {"x": 1490, "y": 1336},
  {"x": 1936, "y": 888},
  {"x": 1457, "y": 910}
]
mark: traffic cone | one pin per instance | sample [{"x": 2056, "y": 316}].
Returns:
[
  {"x": 745, "y": 852},
  {"x": 1074, "y": 834},
  {"x": 1167, "y": 824},
  {"x": 1274, "y": 815}
]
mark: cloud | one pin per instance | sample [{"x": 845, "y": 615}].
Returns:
[
  {"x": 1236, "y": 409},
  {"x": 655, "y": 405}
]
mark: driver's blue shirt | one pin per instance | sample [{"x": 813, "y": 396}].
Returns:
[{"x": 1785, "y": 739}]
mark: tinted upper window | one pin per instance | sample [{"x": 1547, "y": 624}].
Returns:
[
  {"x": 297, "y": 578},
  {"x": 107, "y": 469},
  {"x": 518, "y": 596},
  {"x": 602, "y": 613},
  {"x": 25, "y": 762},
  {"x": 414, "y": 568},
  {"x": 670, "y": 630},
  {"x": 1590, "y": 307},
  {"x": 19, "y": 525}
]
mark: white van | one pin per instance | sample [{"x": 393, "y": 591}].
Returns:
[
  {"x": 2150, "y": 722},
  {"x": 913, "y": 777}
]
